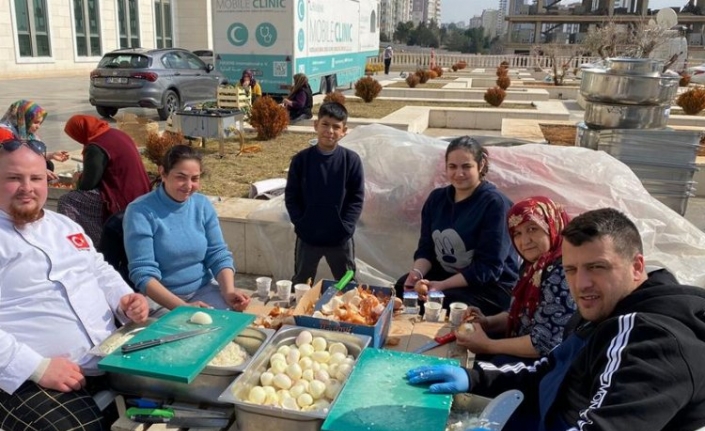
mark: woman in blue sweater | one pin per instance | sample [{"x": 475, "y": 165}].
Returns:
[
  {"x": 465, "y": 249},
  {"x": 174, "y": 244}
]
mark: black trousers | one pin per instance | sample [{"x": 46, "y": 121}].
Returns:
[
  {"x": 340, "y": 259},
  {"x": 387, "y": 63},
  {"x": 34, "y": 408}
]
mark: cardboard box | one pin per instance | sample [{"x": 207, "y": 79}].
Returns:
[{"x": 378, "y": 332}]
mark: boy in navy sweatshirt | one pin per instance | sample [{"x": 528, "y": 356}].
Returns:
[{"x": 324, "y": 194}]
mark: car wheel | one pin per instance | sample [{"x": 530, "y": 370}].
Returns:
[
  {"x": 171, "y": 105},
  {"x": 106, "y": 111}
]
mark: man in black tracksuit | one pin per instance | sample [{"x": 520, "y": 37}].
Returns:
[{"x": 635, "y": 361}]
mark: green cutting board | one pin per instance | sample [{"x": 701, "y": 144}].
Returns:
[
  {"x": 377, "y": 397},
  {"x": 182, "y": 360}
]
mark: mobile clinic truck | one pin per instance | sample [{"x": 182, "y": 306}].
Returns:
[{"x": 328, "y": 40}]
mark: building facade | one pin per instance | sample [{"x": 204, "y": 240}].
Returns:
[
  {"x": 392, "y": 12},
  {"x": 425, "y": 11},
  {"x": 66, "y": 37}
]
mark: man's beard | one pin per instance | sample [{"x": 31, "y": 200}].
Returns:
[{"x": 22, "y": 216}]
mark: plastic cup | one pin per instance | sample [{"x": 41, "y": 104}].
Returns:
[
  {"x": 457, "y": 310},
  {"x": 432, "y": 311},
  {"x": 263, "y": 286},
  {"x": 300, "y": 290},
  {"x": 284, "y": 289}
]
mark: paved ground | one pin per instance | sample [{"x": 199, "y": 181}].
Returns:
[{"x": 65, "y": 96}]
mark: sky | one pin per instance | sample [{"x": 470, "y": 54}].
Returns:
[{"x": 463, "y": 10}]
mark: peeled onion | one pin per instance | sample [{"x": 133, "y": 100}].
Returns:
[
  {"x": 319, "y": 344},
  {"x": 279, "y": 367},
  {"x": 296, "y": 390},
  {"x": 321, "y": 356},
  {"x": 306, "y": 350},
  {"x": 282, "y": 381},
  {"x": 338, "y": 348},
  {"x": 304, "y": 400},
  {"x": 307, "y": 375},
  {"x": 284, "y": 350},
  {"x": 266, "y": 378},
  {"x": 293, "y": 356},
  {"x": 332, "y": 389},
  {"x": 290, "y": 403},
  {"x": 317, "y": 389},
  {"x": 257, "y": 395},
  {"x": 336, "y": 358},
  {"x": 294, "y": 371},
  {"x": 277, "y": 357},
  {"x": 305, "y": 337},
  {"x": 201, "y": 318},
  {"x": 466, "y": 328},
  {"x": 306, "y": 363}
]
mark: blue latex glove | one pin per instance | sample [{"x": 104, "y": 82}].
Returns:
[{"x": 451, "y": 379}]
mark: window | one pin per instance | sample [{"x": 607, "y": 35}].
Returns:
[
  {"x": 128, "y": 24},
  {"x": 32, "y": 28},
  {"x": 87, "y": 24},
  {"x": 162, "y": 17}
]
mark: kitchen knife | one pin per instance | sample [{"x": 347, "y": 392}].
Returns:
[
  {"x": 438, "y": 341},
  {"x": 184, "y": 421},
  {"x": 496, "y": 414},
  {"x": 133, "y": 347}
]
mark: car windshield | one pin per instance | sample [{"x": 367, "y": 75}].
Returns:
[{"x": 124, "y": 61}]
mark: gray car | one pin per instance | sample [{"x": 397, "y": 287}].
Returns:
[{"x": 164, "y": 79}]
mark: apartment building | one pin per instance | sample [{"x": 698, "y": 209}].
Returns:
[
  {"x": 392, "y": 12},
  {"x": 425, "y": 11}
]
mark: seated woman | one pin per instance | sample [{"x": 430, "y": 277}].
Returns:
[
  {"x": 464, "y": 249},
  {"x": 299, "y": 102},
  {"x": 541, "y": 301},
  {"x": 113, "y": 174},
  {"x": 174, "y": 243},
  {"x": 22, "y": 121}
]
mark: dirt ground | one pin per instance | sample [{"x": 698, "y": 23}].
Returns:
[{"x": 556, "y": 134}]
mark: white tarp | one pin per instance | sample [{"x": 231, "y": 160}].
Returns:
[{"x": 402, "y": 168}]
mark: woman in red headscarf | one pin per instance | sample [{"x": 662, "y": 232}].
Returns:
[
  {"x": 541, "y": 302},
  {"x": 113, "y": 174}
]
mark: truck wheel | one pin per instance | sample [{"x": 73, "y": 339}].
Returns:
[
  {"x": 106, "y": 111},
  {"x": 171, "y": 105}
]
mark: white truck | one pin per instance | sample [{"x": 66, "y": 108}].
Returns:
[{"x": 328, "y": 40}]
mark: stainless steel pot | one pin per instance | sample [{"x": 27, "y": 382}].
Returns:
[
  {"x": 600, "y": 86},
  {"x": 610, "y": 116},
  {"x": 634, "y": 66},
  {"x": 586, "y": 137}
]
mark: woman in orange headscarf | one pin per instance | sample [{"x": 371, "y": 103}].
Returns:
[
  {"x": 541, "y": 302},
  {"x": 113, "y": 174}
]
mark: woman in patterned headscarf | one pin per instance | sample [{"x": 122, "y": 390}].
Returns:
[
  {"x": 541, "y": 302},
  {"x": 22, "y": 121}
]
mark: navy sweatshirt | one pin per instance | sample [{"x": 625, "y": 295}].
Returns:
[
  {"x": 470, "y": 237},
  {"x": 324, "y": 195}
]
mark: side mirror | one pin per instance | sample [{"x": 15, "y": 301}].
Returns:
[{"x": 209, "y": 67}]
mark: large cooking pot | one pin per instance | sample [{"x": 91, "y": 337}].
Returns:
[
  {"x": 634, "y": 66},
  {"x": 611, "y": 116},
  {"x": 586, "y": 137},
  {"x": 600, "y": 86}
]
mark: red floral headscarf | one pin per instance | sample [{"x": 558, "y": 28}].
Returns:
[{"x": 552, "y": 218}]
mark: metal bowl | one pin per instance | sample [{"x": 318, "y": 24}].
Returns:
[
  {"x": 634, "y": 66},
  {"x": 611, "y": 116},
  {"x": 252, "y": 417},
  {"x": 206, "y": 387},
  {"x": 600, "y": 86}
]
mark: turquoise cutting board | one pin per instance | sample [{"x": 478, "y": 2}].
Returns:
[
  {"x": 182, "y": 360},
  {"x": 377, "y": 397}
]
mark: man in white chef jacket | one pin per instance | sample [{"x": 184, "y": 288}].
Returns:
[{"x": 58, "y": 299}]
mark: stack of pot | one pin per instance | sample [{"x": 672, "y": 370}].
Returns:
[{"x": 627, "y": 105}]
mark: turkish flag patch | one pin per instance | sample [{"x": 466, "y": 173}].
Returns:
[{"x": 79, "y": 241}]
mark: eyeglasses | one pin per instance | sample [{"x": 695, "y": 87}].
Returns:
[{"x": 38, "y": 147}]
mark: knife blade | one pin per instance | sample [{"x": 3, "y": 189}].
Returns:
[
  {"x": 133, "y": 347},
  {"x": 438, "y": 341},
  {"x": 184, "y": 421}
]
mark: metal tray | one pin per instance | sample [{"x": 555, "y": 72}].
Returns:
[
  {"x": 207, "y": 386},
  {"x": 252, "y": 417}
]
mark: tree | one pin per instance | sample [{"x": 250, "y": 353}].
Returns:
[
  {"x": 403, "y": 32},
  {"x": 557, "y": 54},
  {"x": 383, "y": 37},
  {"x": 635, "y": 41}
]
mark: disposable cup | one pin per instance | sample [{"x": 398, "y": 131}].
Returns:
[
  {"x": 264, "y": 284},
  {"x": 457, "y": 310},
  {"x": 432, "y": 311},
  {"x": 284, "y": 289},
  {"x": 300, "y": 290}
]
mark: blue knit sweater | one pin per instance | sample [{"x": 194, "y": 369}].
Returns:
[{"x": 179, "y": 244}]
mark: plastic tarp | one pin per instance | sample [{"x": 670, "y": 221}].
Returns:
[{"x": 402, "y": 168}]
